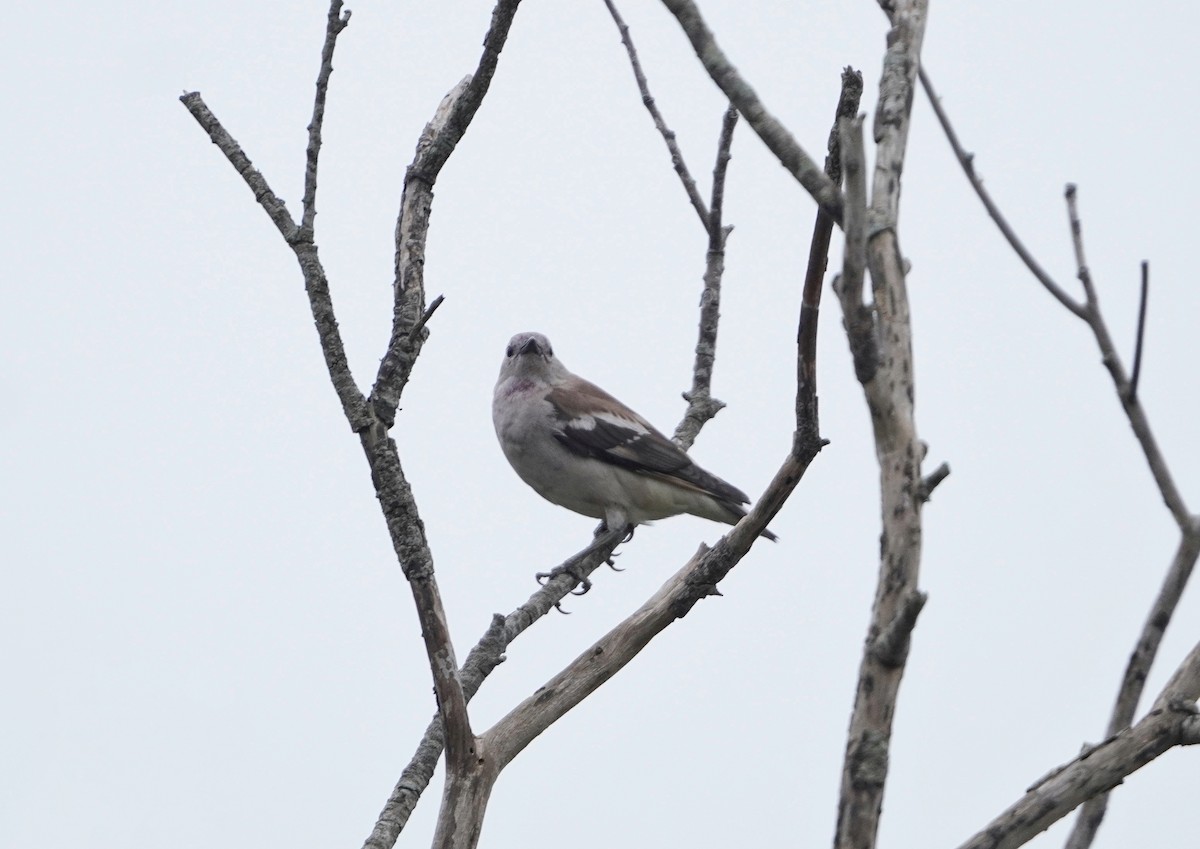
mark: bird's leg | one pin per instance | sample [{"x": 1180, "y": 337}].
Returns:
[
  {"x": 598, "y": 539},
  {"x": 601, "y": 530}
]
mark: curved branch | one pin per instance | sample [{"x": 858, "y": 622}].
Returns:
[{"x": 967, "y": 161}]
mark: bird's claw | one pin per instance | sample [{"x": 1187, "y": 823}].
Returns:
[{"x": 544, "y": 578}]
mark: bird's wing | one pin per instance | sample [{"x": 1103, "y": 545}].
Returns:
[{"x": 594, "y": 424}]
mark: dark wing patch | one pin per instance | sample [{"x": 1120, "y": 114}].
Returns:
[{"x": 594, "y": 424}]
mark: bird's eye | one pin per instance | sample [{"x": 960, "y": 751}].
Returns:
[
  {"x": 549, "y": 351},
  {"x": 509, "y": 351}
]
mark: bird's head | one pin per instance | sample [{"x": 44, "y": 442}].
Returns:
[{"x": 530, "y": 356}]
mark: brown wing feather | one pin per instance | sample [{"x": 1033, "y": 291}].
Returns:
[{"x": 595, "y": 424}]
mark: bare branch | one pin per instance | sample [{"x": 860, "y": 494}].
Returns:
[
  {"x": 716, "y": 231},
  {"x": 1184, "y": 686},
  {"x": 1133, "y": 682},
  {"x": 931, "y": 480},
  {"x": 967, "y": 161},
  {"x": 685, "y": 176},
  {"x": 777, "y": 138},
  {"x": 701, "y": 405},
  {"x": 425, "y": 316},
  {"x": 1141, "y": 331},
  {"x": 697, "y": 579},
  {"x": 275, "y": 208},
  {"x": 1142, "y": 658},
  {"x": 1098, "y": 771},
  {"x": 889, "y": 390},
  {"x": 1112, "y": 361},
  {"x": 1082, "y": 272},
  {"x": 320, "y": 301},
  {"x": 1174, "y": 721},
  {"x": 487, "y": 654},
  {"x": 335, "y": 23},
  {"x": 437, "y": 142},
  {"x": 857, "y": 318},
  {"x": 818, "y": 261}
]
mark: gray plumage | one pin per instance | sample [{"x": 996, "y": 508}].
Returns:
[{"x": 582, "y": 449}]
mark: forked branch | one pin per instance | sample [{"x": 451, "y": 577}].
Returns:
[{"x": 1183, "y": 563}]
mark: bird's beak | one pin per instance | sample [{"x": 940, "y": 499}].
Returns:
[{"x": 530, "y": 347}]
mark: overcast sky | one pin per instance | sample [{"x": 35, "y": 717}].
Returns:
[{"x": 207, "y": 640}]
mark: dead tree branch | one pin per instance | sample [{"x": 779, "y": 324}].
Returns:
[
  {"x": 1183, "y": 563},
  {"x": 467, "y": 797},
  {"x": 436, "y": 144},
  {"x": 702, "y": 406},
  {"x": 774, "y": 134},
  {"x": 685, "y": 176},
  {"x": 1135, "y": 376},
  {"x": 487, "y": 654},
  {"x": 1173, "y": 721},
  {"x": 889, "y": 390},
  {"x": 371, "y": 418}
]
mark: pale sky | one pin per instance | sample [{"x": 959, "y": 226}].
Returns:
[{"x": 207, "y": 640}]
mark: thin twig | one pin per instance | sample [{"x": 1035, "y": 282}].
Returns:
[
  {"x": 685, "y": 176},
  {"x": 818, "y": 257},
  {"x": 1141, "y": 331},
  {"x": 354, "y": 405},
  {"x": 774, "y": 134},
  {"x": 716, "y": 230},
  {"x": 1081, "y": 266},
  {"x": 1112, "y": 361},
  {"x": 425, "y": 316},
  {"x": 701, "y": 405},
  {"x": 335, "y": 23},
  {"x": 967, "y": 161},
  {"x": 930, "y": 482}
]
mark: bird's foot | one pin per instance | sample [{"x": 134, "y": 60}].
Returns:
[
  {"x": 602, "y": 529},
  {"x": 544, "y": 578}
]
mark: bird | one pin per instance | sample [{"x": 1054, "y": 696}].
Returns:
[{"x": 579, "y": 447}]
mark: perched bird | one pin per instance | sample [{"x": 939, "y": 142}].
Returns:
[{"x": 582, "y": 449}]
